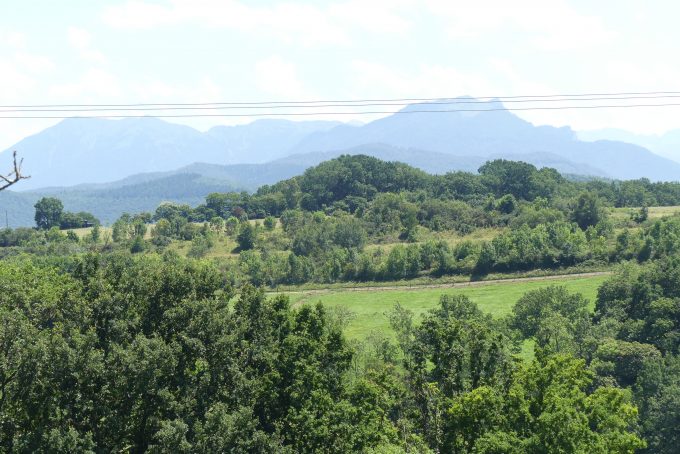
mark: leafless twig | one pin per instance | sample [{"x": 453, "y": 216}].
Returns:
[{"x": 14, "y": 176}]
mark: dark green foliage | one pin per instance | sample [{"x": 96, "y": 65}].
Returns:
[
  {"x": 587, "y": 210},
  {"x": 246, "y": 236},
  {"x": 556, "y": 319},
  {"x": 622, "y": 360},
  {"x": 466, "y": 347},
  {"x": 48, "y": 212},
  {"x": 644, "y": 305},
  {"x": 519, "y": 179},
  {"x": 640, "y": 216},
  {"x": 269, "y": 222},
  {"x": 472, "y": 395},
  {"x": 357, "y": 176},
  {"x": 77, "y": 220},
  {"x": 546, "y": 245},
  {"x": 506, "y": 204},
  {"x": 547, "y": 407},
  {"x": 200, "y": 245},
  {"x": 658, "y": 396},
  {"x": 110, "y": 351},
  {"x": 145, "y": 354},
  {"x": 536, "y": 214},
  {"x": 137, "y": 245}
]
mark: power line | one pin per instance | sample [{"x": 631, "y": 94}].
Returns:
[
  {"x": 285, "y": 114},
  {"x": 353, "y": 102},
  {"x": 171, "y": 107}
]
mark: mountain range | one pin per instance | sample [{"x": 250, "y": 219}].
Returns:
[
  {"x": 666, "y": 144},
  {"x": 110, "y": 166}
]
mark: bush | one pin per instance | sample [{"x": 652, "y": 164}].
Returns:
[
  {"x": 137, "y": 245},
  {"x": 270, "y": 223},
  {"x": 246, "y": 236}
]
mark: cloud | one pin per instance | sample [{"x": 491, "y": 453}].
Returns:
[
  {"x": 14, "y": 39},
  {"x": 549, "y": 25},
  {"x": 19, "y": 68},
  {"x": 304, "y": 23},
  {"x": 378, "y": 16},
  {"x": 11, "y": 75},
  {"x": 425, "y": 81},
  {"x": 34, "y": 63},
  {"x": 278, "y": 77},
  {"x": 94, "y": 82},
  {"x": 80, "y": 40}
]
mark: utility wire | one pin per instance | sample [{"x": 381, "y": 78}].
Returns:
[
  {"x": 359, "y": 101},
  {"x": 285, "y": 114},
  {"x": 171, "y": 107}
]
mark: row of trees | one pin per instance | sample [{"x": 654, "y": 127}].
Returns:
[
  {"x": 315, "y": 247},
  {"x": 49, "y": 212}
]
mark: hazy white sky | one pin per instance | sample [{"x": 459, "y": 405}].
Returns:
[{"x": 58, "y": 52}]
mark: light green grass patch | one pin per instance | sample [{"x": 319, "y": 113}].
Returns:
[
  {"x": 623, "y": 214},
  {"x": 370, "y": 307}
]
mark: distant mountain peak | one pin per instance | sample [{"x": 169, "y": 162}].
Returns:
[{"x": 78, "y": 151}]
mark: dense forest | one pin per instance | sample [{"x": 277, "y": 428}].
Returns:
[{"x": 146, "y": 336}]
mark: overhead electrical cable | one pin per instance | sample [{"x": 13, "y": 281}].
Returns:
[
  {"x": 286, "y": 114},
  {"x": 170, "y": 107},
  {"x": 479, "y": 99}
]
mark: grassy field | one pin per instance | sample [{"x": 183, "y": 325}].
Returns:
[
  {"x": 623, "y": 214},
  {"x": 369, "y": 307}
]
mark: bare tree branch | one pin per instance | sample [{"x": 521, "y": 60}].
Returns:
[{"x": 15, "y": 175}]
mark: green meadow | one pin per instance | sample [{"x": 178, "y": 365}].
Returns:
[{"x": 369, "y": 308}]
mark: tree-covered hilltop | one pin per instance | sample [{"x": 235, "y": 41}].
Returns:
[
  {"x": 331, "y": 213},
  {"x": 350, "y": 183}
]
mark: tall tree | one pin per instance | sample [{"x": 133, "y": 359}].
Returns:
[
  {"x": 587, "y": 210},
  {"x": 48, "y": 212}
]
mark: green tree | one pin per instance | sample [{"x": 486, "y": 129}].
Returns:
[
  {"x": 548, "y": 407},
  {"x": 137, "y": 245},
  {"x": 554, "y": 318},
  {"x": 657, "y": 392},
  {"x": 506, "y": 204},
  {"x": 95, "y": 234},
  {"x": 217, "y": 224},
  {"x": 587, "y": 210},
  {"x": 231, "y": 225},
  {"x": 48, "y": 212},
  {"x": 509, "y": 177},
  {"x": 246, "y": 236},
  {"x": 269, "y": 223}
]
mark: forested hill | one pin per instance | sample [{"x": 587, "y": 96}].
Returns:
[
  {"x": 107, "y": 203},
  {"x": 144, "y": 192},
  {"x": 348, "y": 181},
  {"x": 352, "y": 181}
]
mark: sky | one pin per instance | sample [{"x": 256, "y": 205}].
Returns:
[{"x": 174, "y": 51}]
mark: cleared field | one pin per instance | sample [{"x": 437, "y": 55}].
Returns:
[
  {"x": 83, "y": 232},
  {"x": 623, "y": 214},
  {"x": 370, "y": 307}
]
